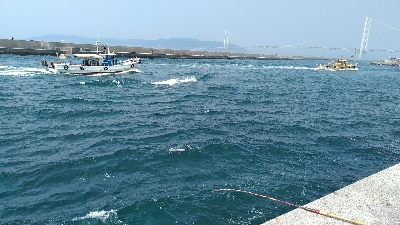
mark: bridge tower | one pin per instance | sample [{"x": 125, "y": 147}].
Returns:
[
  {"x": 364, "y": 40},
  {"x": 226, "y": 40}
]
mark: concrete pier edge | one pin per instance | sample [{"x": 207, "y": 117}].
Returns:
[{"x": 372, "y": 200}]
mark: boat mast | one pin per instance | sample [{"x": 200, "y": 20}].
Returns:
[{"x": 97, "y": 46}]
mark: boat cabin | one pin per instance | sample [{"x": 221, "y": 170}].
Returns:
[
  {"x": 341, "y": 63},
  {"x": 98, "y": 60},
  {"x": 109, "y": 60}
]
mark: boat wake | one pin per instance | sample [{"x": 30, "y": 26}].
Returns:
[
  {"x": 175, "y": 81},
  {"x": 290, "y": 67},
  {"x": 20, "y": 71}
]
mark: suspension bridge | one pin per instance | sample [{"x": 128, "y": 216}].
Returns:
[{"x": 361, "y": 51}]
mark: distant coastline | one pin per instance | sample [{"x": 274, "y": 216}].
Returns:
[{"x": 24, "y": 47}]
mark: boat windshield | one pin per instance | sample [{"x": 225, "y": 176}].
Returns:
[{"x": 90, "y": 62}]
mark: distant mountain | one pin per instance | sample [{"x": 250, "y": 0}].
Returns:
[{"x": 171, "y": 43}]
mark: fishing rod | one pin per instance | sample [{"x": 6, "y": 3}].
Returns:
[
  {"x": 316, "y": 211},
  {"x": 376, "y": 149}
]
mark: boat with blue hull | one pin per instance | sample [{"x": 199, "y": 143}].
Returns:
[{"x": 93, "y": 63}]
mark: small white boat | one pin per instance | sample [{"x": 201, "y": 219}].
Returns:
[
  {"x": 339, "y": 65},
  {"x": 93, "y": 64},
  {"x": 387, "y": 62}
]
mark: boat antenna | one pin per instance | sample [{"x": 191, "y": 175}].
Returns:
[
  {"x": 316, "y": 211},
  {"x": 97, "y": 44},
  {"x": 97, "y": 47}
]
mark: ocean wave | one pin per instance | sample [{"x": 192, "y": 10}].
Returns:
[
  {"x": 100, "y": 215},
  {"x": 175, "y": 81},
  {"x": 90, "y": 151},
  {"x": 182, "y": 149},
  {"x": 290, "y": 67},
  {"x": 119, "y": 82}
]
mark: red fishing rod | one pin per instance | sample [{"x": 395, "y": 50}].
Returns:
[
  {"x": 317, "y": 211},
  {"x": 376, "y": 149}
]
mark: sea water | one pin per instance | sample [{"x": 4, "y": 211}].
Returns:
[{"x": 149, "y": 148}]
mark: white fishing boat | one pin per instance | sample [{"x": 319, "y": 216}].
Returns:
[
  {"x": 94, "y": 63},
  {"x": 339, "y": 65},
  {"x": 387, "y": 62}
]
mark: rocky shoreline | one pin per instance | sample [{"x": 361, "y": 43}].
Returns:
[{"x": 31, "y": 47}]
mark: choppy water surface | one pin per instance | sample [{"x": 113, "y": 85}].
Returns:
[{"x": 149, "y": 148}]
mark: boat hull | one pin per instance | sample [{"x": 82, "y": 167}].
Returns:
[
  {"x": 85, "y": 70},
  {"x": 339, "y": 65},
  {"x": 336, "y": 69}
]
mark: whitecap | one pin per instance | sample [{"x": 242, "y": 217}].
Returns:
[
  {"x": 116, "y": 82},
  {"x": 175, "y": 81},
  {"x": 167, "y": 82},
  {"x": 177, "y": 149},
  {"x": 102, "y": 215},
  {"x": 188, "y": 79},
  {"x": 180, "y": 148}
]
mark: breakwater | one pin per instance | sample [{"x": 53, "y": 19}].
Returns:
[{"x": 32, "y": 47}]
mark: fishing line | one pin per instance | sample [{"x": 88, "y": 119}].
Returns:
[
  {"x": 376, "y": 149},
  {"x": 316, "y": 211}
]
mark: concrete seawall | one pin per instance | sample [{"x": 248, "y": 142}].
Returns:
[
  {"x": 22, "y": 47},
  {"x": 372, "y": 200}
]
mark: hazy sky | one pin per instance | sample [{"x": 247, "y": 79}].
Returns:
[{"x": 330, "y": 23}]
